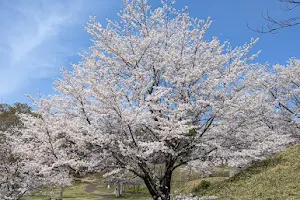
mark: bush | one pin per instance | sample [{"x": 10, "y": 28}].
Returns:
[{"x": 202, "y": 186}]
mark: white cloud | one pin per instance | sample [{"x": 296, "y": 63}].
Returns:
[
  {"x": 23, "y": 45},
  {"x": 36, "y": 39}
]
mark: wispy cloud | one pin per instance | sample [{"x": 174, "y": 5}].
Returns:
[
  {"x": 27, "y": 27},
  {"x": 35, "y": 39}
]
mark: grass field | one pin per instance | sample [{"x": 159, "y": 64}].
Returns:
[
  {"x": 277, "y": 178},
  {"x": 79, "y": 192}
]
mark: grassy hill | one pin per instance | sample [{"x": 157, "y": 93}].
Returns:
[{"x": 272, "y": 179}]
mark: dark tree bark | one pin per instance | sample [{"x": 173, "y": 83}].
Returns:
[{"x": 161, "y": 192}]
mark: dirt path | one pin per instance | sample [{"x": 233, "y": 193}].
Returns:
[{"x": 92, "y": 187}]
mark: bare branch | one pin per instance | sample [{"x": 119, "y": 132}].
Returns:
[{"x": 274, "y": 25}]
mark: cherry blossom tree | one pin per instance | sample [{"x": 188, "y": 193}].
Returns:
[
  {"x": 153, "y": 92},
  {"x": 43, "y": 142},
  {"x": 286, "y": 90},
  {"x": 20, "y": 174},
  {"x": 13, "y": 183},
  {"x": 282, "y": 84},
  {"x": 16, "y": 178}
]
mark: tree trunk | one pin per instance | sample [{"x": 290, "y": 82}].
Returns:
[
  {"x": 161, "y": 192},
  {"x": 61, "y": 193},
  {"x": 121, "y": 189},
  {"x": 117, "y": 190}
]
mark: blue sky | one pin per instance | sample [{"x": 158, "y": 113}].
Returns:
[{"x": 38, "y": 37}]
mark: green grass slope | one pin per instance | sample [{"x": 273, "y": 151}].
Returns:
[
  {"x": 272, "y": 179},
  {"x": 277, "y": 178}
]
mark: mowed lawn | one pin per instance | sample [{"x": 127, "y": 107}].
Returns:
[{"x": 91, "y": 191}]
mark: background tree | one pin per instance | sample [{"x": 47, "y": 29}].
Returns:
[
  {"x": 153, "y": 91},
  {"x": 9, "y": 115},
  {"x": 15, "y": 178},
  {"x": 43, "y": 150},
  {"x": 282, "y": 84},
  {"x": 22, "y": 174}
]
